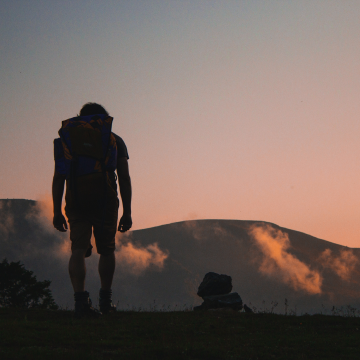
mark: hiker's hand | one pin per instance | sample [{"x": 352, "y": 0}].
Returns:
[
  {"x": 59, "y": 222},
  {"x": 125, "y": 223}
]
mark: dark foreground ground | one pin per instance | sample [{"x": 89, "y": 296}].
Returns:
[{"x": 206, "y": 335}]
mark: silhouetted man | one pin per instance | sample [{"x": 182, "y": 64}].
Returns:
[{"x": 86, "y": 156}]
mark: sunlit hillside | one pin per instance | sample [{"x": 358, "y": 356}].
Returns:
[{"x": 163, "y": 266}]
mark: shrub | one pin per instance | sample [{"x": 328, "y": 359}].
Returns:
[{"x": 19, "y": 288}]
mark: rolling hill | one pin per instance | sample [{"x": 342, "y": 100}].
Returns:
[{"x": 163, "y": 266}]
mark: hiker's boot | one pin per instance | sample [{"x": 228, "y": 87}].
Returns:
[
  {"x": 83, "y": 306},
  {"x": 105, "y": 302}
]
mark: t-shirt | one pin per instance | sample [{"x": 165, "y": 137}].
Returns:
[
  {"x": 121, "y": 152},
  {"x": 121, "y": 147}
]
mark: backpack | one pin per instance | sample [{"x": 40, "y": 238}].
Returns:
[{"x": 85, "y": 152}]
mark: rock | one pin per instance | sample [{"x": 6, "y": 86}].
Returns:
[
  {"x": 215, "y": 284},
  {"x": 248, "y": 310},
  {"x": 223, "y": 310},
  {"x": 232, "y": 301}
]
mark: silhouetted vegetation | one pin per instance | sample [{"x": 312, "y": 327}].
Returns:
[
  {"x": 19, "y": 288},
  {"x": 203, "y": 335}
]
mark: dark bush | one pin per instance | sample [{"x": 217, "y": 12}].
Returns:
[{"x": 19, "y": 288}]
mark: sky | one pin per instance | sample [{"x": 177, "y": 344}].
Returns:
[{"x": 243, "y": 110}]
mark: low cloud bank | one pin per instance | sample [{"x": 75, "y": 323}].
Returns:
[
  {"x": 342, "y": 265},
  {"x": 137, "y": 259},
  {"x": 200, "y": 231},
  {"x": 28, "y": 235},
  {"x": 6, "y": 219},
  {"x": 277, "y": 261},
  {"x": 133, "y": 258},
  {"x": 42, "y": 214}
]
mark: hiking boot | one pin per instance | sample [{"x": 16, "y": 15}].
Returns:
[
  {"x": 83, "y": 306},
  {"x": 105, "y": 302}
]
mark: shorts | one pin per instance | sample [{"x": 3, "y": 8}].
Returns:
[{"x": 83, "y": 222}]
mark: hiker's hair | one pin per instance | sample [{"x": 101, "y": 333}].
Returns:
[{"x": 92, "y": 109}]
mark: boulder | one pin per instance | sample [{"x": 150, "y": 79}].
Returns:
[
  {"x": 215, "y": 284},
  {"x": 232, "y": 301}
]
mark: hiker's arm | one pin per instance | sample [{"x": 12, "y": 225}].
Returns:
[
  {"x": 125, "y": 193},
  {"x": 59, "y": 221}
]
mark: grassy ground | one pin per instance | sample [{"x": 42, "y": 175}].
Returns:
[{"x": 204, "y": 335}]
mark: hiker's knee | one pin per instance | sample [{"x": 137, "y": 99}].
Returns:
[
  {"x": 78, "y": 253},
  {"x": 106, "y": 252}
]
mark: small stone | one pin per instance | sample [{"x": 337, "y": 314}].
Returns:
[
  {"x": 232, "y": 301},
  {"x": 215, "y": 284},
  {"x": 227, "y": 309}
]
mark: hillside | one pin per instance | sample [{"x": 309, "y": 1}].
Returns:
[{"x": 163, "y": 266}]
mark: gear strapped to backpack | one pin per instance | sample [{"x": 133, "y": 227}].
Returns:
[{"x": 85, "y": 152}]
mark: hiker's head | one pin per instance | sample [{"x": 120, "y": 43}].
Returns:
[{"x": 92, "y": 109}]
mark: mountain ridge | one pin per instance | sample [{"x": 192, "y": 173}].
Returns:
[{"x": 166, "y": 263}]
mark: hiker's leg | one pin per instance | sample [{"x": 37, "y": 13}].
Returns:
[
  {"x": 77, "y": 269},
  {"x": 106, "y": 270},
  {"x": 104, "y": 232},
  {"x": 80, "y": 235}
]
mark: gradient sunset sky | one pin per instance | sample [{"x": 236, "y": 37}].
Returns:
[{"x": 242, "y": 110}]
